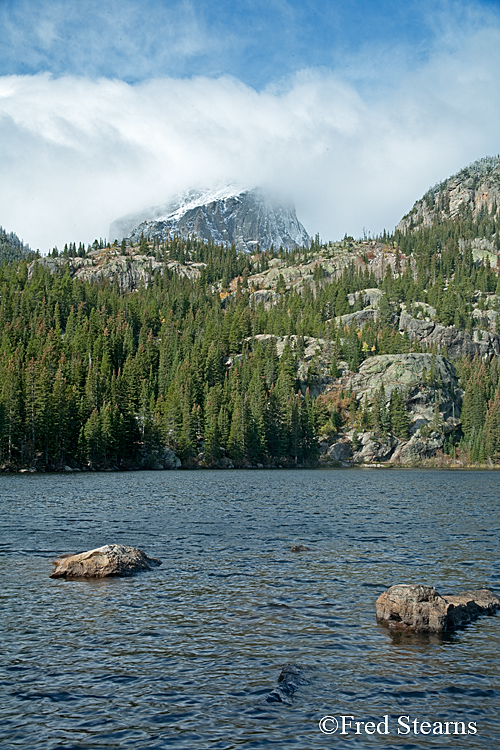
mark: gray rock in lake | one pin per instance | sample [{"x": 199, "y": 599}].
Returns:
[
  {"x": 421, "y": 609},
  {"x": 290, "y": 679},
  {"x": 110, "y": 560}
]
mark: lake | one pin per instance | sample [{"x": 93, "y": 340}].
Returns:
[{"x": 187, "y": 655}]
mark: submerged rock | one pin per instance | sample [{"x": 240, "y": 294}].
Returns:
[
  {"x": 110, "y": 560},
  {"x": 299, "y": 548},
  {"x": 422, "y": 610},
  {"x": 290, "y": 679}
]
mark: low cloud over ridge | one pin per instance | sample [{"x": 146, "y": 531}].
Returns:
[{"x": 77, "y": 153}]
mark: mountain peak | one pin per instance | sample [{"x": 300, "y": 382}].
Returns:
[{"x": 226, "y": 214}]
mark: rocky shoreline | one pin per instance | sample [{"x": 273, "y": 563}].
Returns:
[{"x": 433, "y": 463}]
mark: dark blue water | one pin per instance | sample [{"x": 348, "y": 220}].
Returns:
[{"x": 184, "y": 656}]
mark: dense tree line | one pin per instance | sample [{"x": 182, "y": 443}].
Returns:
[{"x": 94, "y": 376}]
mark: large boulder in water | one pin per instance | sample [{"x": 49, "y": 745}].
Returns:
[
  {"x": 110, "y": 560},
  {"x": 422, "y": 610}
]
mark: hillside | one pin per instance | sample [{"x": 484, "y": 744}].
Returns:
[
  {"x": 183, "y": 352},
  {"x": 475, "y": 190},
  {"x": 465, "y": 206}
]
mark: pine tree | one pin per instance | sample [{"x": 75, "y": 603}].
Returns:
[
  {"x": 237, "y": 442},
  {"x": 398, "y": 416},
  {"x": 11, "y": 410},
  {"x": 93, "y": 440},
  {"x": 380, "y": 413},
  {"x": 492, "y": 428}
]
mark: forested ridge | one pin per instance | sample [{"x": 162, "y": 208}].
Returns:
[{"x": 203, "y": 359}]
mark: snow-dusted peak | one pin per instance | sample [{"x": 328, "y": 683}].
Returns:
[
  {"x": 224, "y": 214},
  {"x": 191, "y": 199}
]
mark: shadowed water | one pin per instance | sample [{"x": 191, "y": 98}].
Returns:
[{"x": 185, "y": 656}]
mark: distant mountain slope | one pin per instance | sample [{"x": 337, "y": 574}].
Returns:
[
  {"x": 228, "y": 215},
  {"x": 11, "y": 247},
  {"x": 471, "y": 194}
]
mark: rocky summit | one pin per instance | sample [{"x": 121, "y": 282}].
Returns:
[{"x": 248, "y": 219}]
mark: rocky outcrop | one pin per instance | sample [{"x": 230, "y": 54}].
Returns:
[
  {"x": 375, "y": 450},
  {"x": 130, "y": 271},
  {"x": 417, "y": 449},
  {"x": 249, "y": 219},
  {"x": 456, "y": 343},
  {"x": 110, "y": 560},
  {"x": 474, "y": 188},
  {"x": 421, "y": 609},
  {"x": 357, "y": 319},
  {"x": 169, "y": 459},
  {"x": 370, "y": 297},
  {"x": 265, "y": 296},
  {"x": 341, "y": 451},
  {"x": 419, "y": 374},
  {"x": 161, "y": 458}
]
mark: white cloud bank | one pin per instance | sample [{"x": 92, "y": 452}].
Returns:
[{"x": 76, "y": 153}]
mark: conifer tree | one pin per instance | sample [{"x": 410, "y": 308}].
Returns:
[
  {"x": 492, "y": 428},
  {"x": 398, "y": 416}
]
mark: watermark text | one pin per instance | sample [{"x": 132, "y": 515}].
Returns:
[{"x": 344, "y": 724}]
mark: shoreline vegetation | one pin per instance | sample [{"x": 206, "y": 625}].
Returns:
[{"x": 185, "y": 353}]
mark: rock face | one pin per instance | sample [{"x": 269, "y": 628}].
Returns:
[
  {"x": 410, "y": 373},
  {"x": 457, "y": 343},
  {"x": 474, "y": 188},
  {"x": 421, "y": 609},
  {"x": 428, "y": 332},
  {"x": 227, "y": 215},
  {"x": 129, "y": 271},
  {"x": 340, "y": 451},
  {"x": 375, "y": 450},
  {"x": 110, "y": 560},
  {"x": 417, "y": 449}
]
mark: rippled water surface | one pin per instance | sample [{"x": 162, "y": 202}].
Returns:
[{"x": 185, "y": 656}]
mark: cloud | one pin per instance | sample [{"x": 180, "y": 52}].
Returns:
[
  {"x": 109, "y": 37},
  {"x": 77, "y": 153}
]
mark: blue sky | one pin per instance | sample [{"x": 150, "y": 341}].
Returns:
[
  {"x": 351, "y": 108},
  {"x": 259, "y": 42}
]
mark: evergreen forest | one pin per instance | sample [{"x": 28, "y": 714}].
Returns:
[{"x": 95, "y": 376}]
